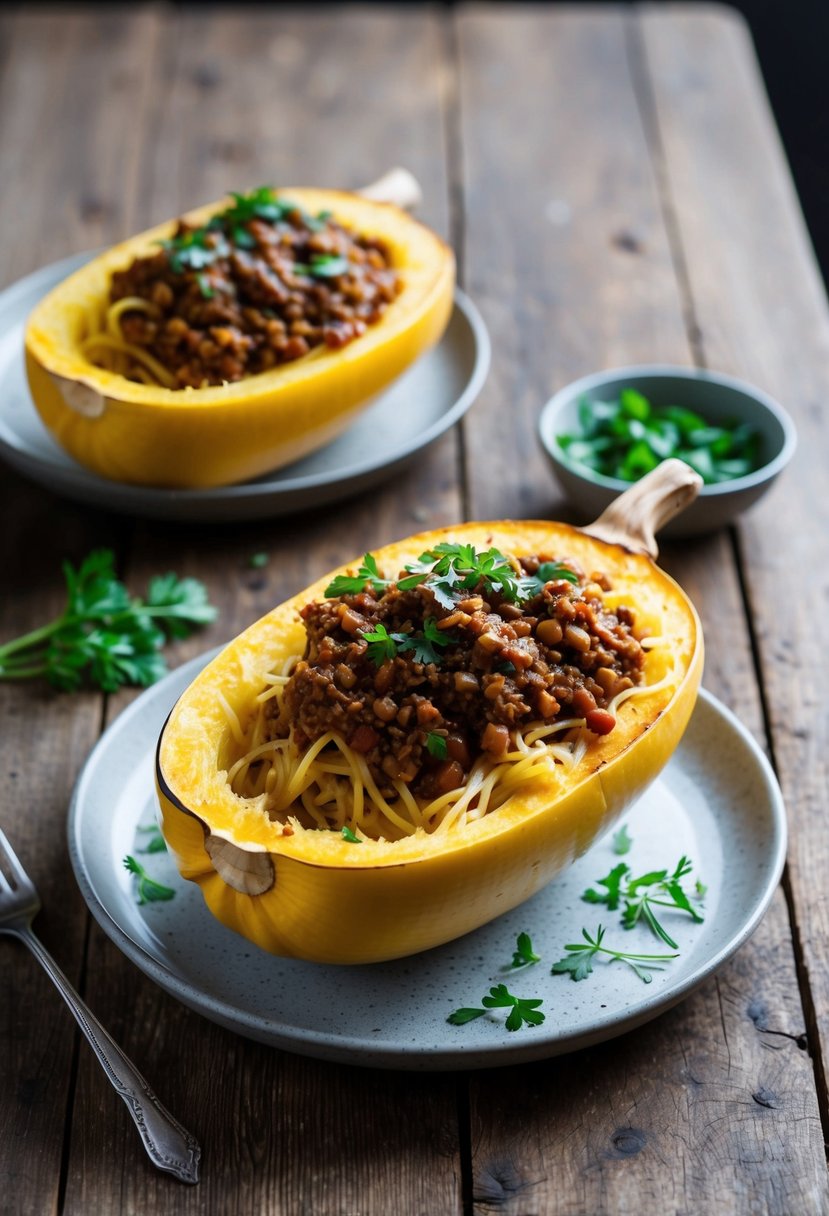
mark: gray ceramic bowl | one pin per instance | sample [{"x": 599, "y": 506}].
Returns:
[{"x": 718, "y": 398}]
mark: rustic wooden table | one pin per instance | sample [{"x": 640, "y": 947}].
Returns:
[{"x": 613, "y": 184}]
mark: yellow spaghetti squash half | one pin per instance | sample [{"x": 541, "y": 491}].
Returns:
[
  {"x": 317, "y": 895},
  {"x": 217, "y": 435}
]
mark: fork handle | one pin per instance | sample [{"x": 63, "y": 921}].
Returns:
[{"x": 170, "y": 1146}]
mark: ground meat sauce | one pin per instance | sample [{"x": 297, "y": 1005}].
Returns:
[
  {"x": 241, "y": 297},
  {"x": 557, "y": 655}
]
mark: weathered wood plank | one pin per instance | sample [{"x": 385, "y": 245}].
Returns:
[
  {"x": 267, "y": 96},
  {"x": 53, "y": 173},
  {"x": 663, "y": 1118},
  {"x": 762, "y": 313}
]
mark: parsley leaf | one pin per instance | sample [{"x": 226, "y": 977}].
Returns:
[
  {"x": 104, "y": 633},
  {"x": 548, "y": 572},
  {"x": 436, "y": 745},
  {"x": 452, "y": 571},
  {"x": 155, "y": 841},
  {"x": 258, "y": 561},
  {"x": 350, "y": 836},
  {"x": 382, "y": 645},
  {"x": 578, "y": 962},
  {"x": 522, "y": 1011},
  {"x": 323, "y": 266},
  {"x": 613, "y": 886},
  {"x": 345, "y": 584},
  {"x": 524, "y": 955},
  {"x": 621, "y": 841},
  {"x": 147, "y": 890},
  {"x": 643, "y": 895}
]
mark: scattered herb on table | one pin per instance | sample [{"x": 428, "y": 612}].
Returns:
[
  {"x": 522, "y": 1011},
  {"x": 105, "y": 633},
  {"x": 621, "y": 841},
  {"x": 578, "y": 962},
  {"x": 524, "y": 955},
  {"x": 258, "y": 561},
  {"x": 629, "y": 437},
  {"x": 147, "y": 889},
  {"x": 643, "y": 895}
]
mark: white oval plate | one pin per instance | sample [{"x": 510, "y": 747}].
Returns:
[
  {"x": 415, "y": 411},
  {"x": 717, "y": 801}
]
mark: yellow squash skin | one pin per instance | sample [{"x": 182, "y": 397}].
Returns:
[
  {"x": 336, "y": 902},
  {"x": 147, "y": 435}
]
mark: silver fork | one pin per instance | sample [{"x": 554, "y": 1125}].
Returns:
[{"x": 169, "y": 1145}]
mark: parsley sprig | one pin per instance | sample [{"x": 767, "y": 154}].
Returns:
[
  {"x": 106, "y": 634},
  {"x": 384, "y": 645},
  {"x": 155, "y": 841},
  {"x": 524, "y": 955},
  {"x": 350, "y": 584},
  {"x": 198, "y": 247},
  {"x": 578, "y": 962},
  {"x": 522, "y": 1011},
  {"x": 643, "y": 895},
  {"x": 323, "y": 266},
  {"x": 147, "y": 889}
]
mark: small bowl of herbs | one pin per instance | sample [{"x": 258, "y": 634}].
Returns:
[{"x": 605, "y": 431}]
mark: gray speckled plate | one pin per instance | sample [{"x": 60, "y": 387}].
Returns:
[
  {"x": 428, "y": 399},
  {"x": 717, "y": 801}
]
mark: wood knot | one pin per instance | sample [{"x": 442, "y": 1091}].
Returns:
[
  {"x": 628, "y": 1141},
  {"x": 497, "y": 1183}
]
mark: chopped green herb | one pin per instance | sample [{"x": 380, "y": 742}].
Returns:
[
  {"x": 348, "y": 835},
  {"x": 643, "y": 895},
  {"x": 578, "y": 962},
  {"x": 106, "y": 634},
  {"x": 548, "y": 572},
  {"x": 155, "y": 842},
  {"x": 382, "y": 644},
  {"x": 205, "y": 287},
  {"x": 629, "y": 437},
  {"x": 258, "y": 561},
  {"x": 323, "y": 266},
  {"x": 524, "y": 955},
  {"x": 621, "y": 841},
  {"x": 345, "y": 584},
  {"x": 147, "y": 889},
  {"x": 436, "y": 745},
  {"x": 453, "y": 570},
  {"x": 522, "y": 1011}
]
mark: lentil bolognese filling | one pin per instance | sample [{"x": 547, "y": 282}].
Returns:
[
  {"x": 430, "y": 697},
  {"x": 262, "y": 284}
]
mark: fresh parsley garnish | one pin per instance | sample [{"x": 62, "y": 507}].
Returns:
[
  {"x": 524, "y": 955},
  {"x": 621, "y": 841},
  {"x": 350, "y": 836},
  {"x": 147, "y": 890},
  {"x": 436, "y": 745},
  {"x": 195, "y": 249},
  {"x": 105, "y": 633},
  {"x": 382, "y": 645},
  {"x": 449, "y": 569},
  {"x": 522, "y": 1011},
  {"x": 547, "y": 572},
  {"x": 643, "y": 895},
  {"x": 346, "y": 584},
  {"x": 578, "y": 962},
  {"x": 155, "y": 841},
  {"x": 323, "y": 266}
]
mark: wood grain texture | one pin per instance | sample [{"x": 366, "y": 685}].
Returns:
[
  {"x": 762, "y": 314},
  {"x": 594, "y": 164},
  {"x": 260, "y": 98},
  {"x": 665, "y": 1118}
]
